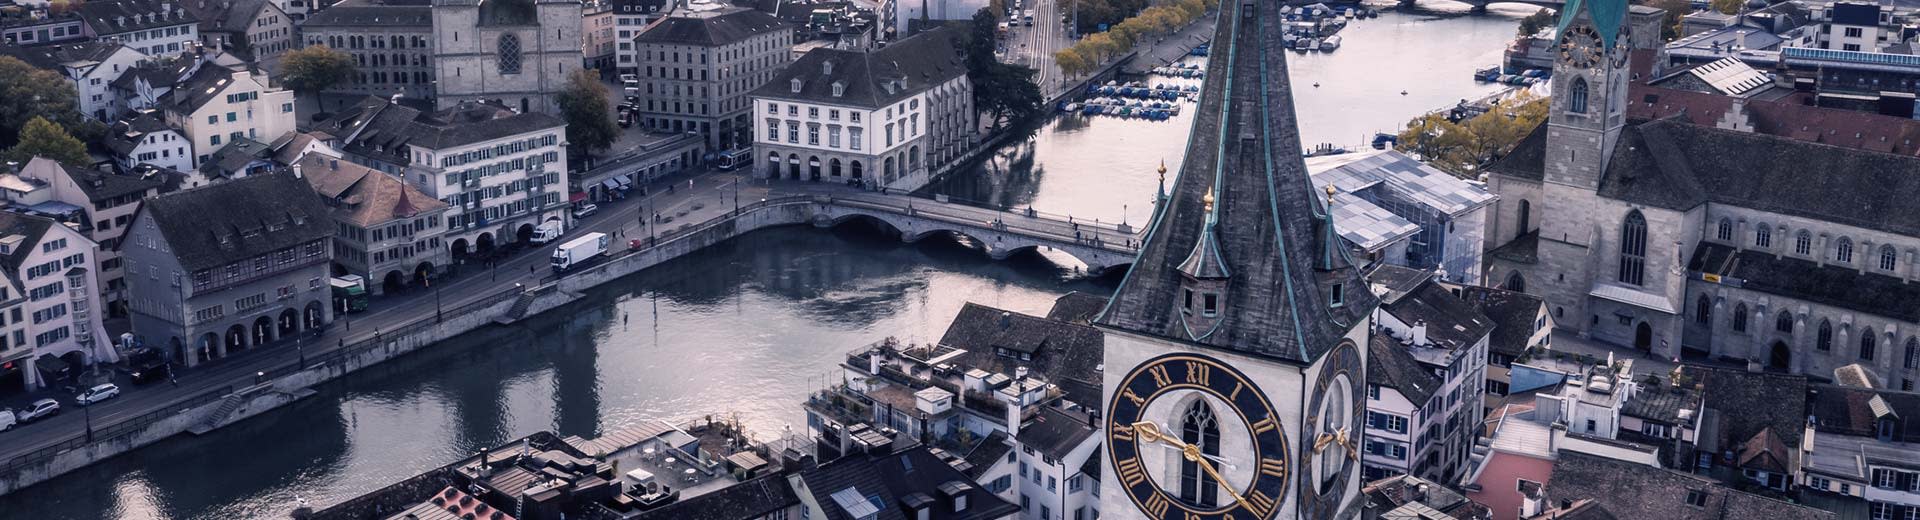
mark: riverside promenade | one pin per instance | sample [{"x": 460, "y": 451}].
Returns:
[{"x": 705, "y": 209}]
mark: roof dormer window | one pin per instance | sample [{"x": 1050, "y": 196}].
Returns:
[
  {"x": 839, "y": 88},
  {"x": 796, "y": 85}
]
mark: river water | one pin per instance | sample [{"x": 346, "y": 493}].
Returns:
[{"x": 744, "y": 329}]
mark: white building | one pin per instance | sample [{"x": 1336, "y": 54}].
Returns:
[
  {"x": 260, "y": 29},
  {"x": 215, "y": 105},
  {"x": 1426, "y": 384},
  {"x": 629, "y": 18},
  {"x": 145, "y": 138},
  {"x": 157, "y": 28},
  {"x": 50, "y": 328},
  {"x": 697, "y": 66},
  {"x": 1862, "y": 448},
  {"x": 99, "y": 205},
  {"x": 887, "y": 117},
  {"x": 89, "y": 67},
  {"x": 1855, "y": 26},
  {"x": 503, "y": 172}
]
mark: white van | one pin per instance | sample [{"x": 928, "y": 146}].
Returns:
[{"x": 7, "y": 419}]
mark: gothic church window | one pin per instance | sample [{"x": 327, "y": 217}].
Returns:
[
  {"x": 1784, "y": 323},
  {"x": 1803, "y": 243},
  {"x": 1887, "y": 257},
  {"x": 1740, "y": 318},
  {"x": 1703, "y": 310},
  {"x": 1913, "y": 353},
  {"x": 1577, "y": 101},
  {"x": 1762, "y": 236},
  {"x": 509, "y": 54},
  {"x": 1843, "y": 251},
  {"x": 1866, "y": 345},
  {"x": 1824, "y": 341},
  {"x": 1633, "y": 249},
  {"x": 1198, "y": 428},
  {"x": 1726, "y": 229}
]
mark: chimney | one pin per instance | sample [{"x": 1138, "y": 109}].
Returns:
[
  {"x": 1419, "y": 334},
  {"x": 1420, "y": 493},
  {"x": 1006, "y": 320},
  {"x": 296, "y": 171}
]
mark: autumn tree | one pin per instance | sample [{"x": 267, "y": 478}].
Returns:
[
  {"x": 27, "y": 92},
  {"x": 43, "y": 138},
  {"x": 1465, "y": 147},
  {"x": 314, "y": 68},
  {"x": 1533, "y": 23},
  {"x": 589, "y": 117},
  {"x": 1728, "y": 6}
]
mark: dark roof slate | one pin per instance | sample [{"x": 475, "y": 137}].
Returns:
[
  {"x": 377, "y": 127},
  {"x": 1514, "y": 315},
  {"x": 1077, "y": 307},
  {"x": 225, "y": 222},
  {"x": 365, "y": 13},
  {"x": 1275, "y": 233},
  {"x": 874, "y": 78},
  {"x": 1391, "y": 366},
  {"x": 988, "y": 452},
  {"x": 55, "y": 57},
  {"x": 889, "y": 479},
  {"x": 1055, "y": 432},
  {"x": 109, "y": 17},
  {"x": 1631, "y": 490},
  {"x": 1664, "y": 403},
  {"x": 711, "y": 28},
  {"x": 29, "y": 226},
  {"x": 1748, "y": 402},
  {"x": 101, "y": 186},
  {"x": 1806, "y": 280},
  {"x": 1066, "y": 354},
  {"x": 1845, "y": 410}
]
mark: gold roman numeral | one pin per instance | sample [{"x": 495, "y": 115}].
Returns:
[
  {"x": 1121, "y": 432},
  {"x": 1259, "y": 504},
  {"x": 1264, "y": 426},
  {"x": 1160, "y": 376},
  {"x": 1157, "y": 504},
  {"x": 1197, "y": 373},
  {"x": 1273, "y": 468},
  {"x": 1137, "y": 401},
  {"x": 1131, "y": 473},
  {"x": 1236, "y": 391}
]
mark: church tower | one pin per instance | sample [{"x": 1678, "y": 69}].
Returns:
[
  {"x": 1236, "y": 348},
  {"x": 1589, "y": 92},
  {"x": 516, "y": 52}
]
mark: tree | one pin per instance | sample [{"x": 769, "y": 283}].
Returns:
[
  {"x": 314, "y": 68},
  {"x": 1728, "y": 6},
  {"x": 1533, "y": 23},
  {"x": 1463, "y": 148},
  {"x": 584, "y": 106},
  {"x": 1670, "y": 27},
  {"x": 27, "y": 92},
  {"x": 43, "y": 138},
  {"x": 1005, "y": 92}
]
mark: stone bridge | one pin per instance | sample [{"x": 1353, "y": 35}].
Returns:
[
  {"x": 1002, "y": 233},
  {"x": 1481, "y": 5}
]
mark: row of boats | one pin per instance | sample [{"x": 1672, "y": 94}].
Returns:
[
  {"x": 1182, "y": 70},
  {"x": 1525, "y": 77},
  {"x": 1138, "y": 90},
  {"x": 1149, "y": 110},
  {"x": 1304, "y": 43}
]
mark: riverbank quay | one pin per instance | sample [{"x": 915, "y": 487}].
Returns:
[{"x": 250, "y": 386}]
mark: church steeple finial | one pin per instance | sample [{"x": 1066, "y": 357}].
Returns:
[{"x": 1163, "y": 181}]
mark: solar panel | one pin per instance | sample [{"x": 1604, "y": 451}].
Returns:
[
  {"x": 1732, "y": 76},
  {"x": 855, "y": 504}
]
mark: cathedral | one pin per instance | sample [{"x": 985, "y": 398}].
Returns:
[
  {"x": 1691, "y": 241},
  {"x": 1234, "y": 373},
  {"x": 516, "y": 52}
]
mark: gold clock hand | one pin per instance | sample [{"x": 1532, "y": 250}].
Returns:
[{"x": 1193, "y": 454}]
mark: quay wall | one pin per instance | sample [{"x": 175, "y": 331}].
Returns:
[{"x": 288, "y": 383}]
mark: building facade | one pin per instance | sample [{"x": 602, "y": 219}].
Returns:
[
  {"x": 216, "y": 105},
  {"x": 100, "y": 205},
  {"x": 515, "y": 52},
  {"x": 155, "y": 28},
  {"x": 885, "y": 117},
  {"x": 256, "y": 28},
  {"x": 90, "y": 67},
  {"x": 52, "y": 301},
  {"x": 697, "y": 67},
  {"x": 145, "y": 138},
  {"x": 1427, "y": 382},
  {"x": 502, "y": 172},
  {"x": 386, "y": 230},
  {"x": 229, "y": 266},
  {"x": 391, "y": 45},
  {"x": 630, "y": 17}
]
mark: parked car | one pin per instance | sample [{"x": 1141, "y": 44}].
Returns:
[
  {"x": 39, "y": 410},
  {"x": 6, "y": 419},
  {"x": 98, "y": 393},
  {"x": 586, "y": 211}
]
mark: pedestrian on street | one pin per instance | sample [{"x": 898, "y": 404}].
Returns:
[
  {"x": 174, "y": 380},
  {"x": 530, "y": 269}
]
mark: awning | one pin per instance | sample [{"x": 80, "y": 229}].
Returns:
[
  {"x": 610, "y": 184},
  {"x": 50, "y": 364},
  {"x": 577, "y": 196},
  {"x": 1634, "y": 297},
  {"x": 625, "y": 183}
]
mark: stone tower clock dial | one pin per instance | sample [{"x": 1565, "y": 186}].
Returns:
[
  {"x": 1331, "y": 443},
  {"x": 1160, "y": 457},
  {"x": 1581, "y": 47}
]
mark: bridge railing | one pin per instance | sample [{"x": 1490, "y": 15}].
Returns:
[{"x": 1055, "y": 229}]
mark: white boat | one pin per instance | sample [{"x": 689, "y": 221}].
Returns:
[{"x": 1330, "y": 43}]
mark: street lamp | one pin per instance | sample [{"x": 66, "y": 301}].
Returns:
[{"x": 88, "y": 411}]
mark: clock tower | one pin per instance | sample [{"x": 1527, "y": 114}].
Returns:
[
  {"x": 1234, "y": 370},
  {"x": 1589, "y": 91}
]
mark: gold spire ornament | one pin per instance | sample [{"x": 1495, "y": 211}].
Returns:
[{"x": 1208, "y": 200}]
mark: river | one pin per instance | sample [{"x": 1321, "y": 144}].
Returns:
[{"x": 745, "y": 329}]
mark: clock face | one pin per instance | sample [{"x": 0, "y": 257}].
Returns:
[
  {"x": 1331, "y": 438},
  {"x": 1581, "y": 47},
  {"x": 1619, "y": 51},
  {"x": 1167, "y": 465}
]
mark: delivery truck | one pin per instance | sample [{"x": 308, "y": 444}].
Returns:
[
  {"x": 349, "y": 293},
  {"x": 579, "y": 251}
]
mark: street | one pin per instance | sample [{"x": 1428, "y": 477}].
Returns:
[{"x": 1034, "y": 46}]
